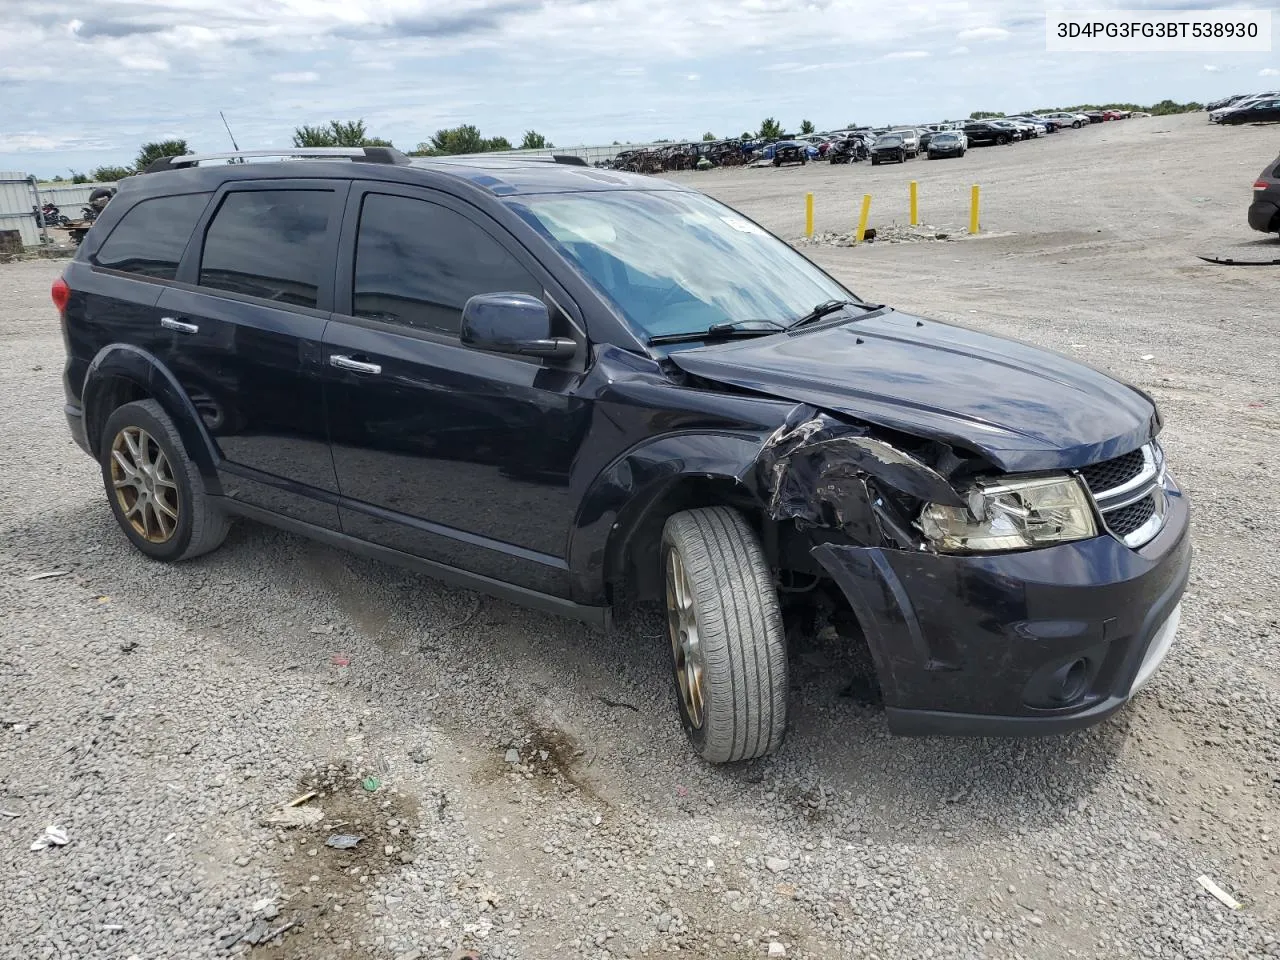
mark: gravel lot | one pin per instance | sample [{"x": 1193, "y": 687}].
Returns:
[{"x": 165, "y": 716}]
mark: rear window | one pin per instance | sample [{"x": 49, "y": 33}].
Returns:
[
  {"x": 269, "y": 244},
  {"x": 150, "y": 237}
]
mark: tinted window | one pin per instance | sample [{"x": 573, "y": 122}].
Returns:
[
  {"x": 150, "y": 238},
  {"x": 268, "y": 243},
  {"x": 417, "y": 263}
]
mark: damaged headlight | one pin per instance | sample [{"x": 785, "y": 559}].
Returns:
[{"x": 1012, "y": 515}]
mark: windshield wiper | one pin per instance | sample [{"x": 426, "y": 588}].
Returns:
[
  {"x": 828, "y": 307},
  {"x": 721, "y": 331}
]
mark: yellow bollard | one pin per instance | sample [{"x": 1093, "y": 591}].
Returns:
[
  {"x": 973, "y": 209},
  {"x": 808, "y": 214},
  {"x": 862, "y": 219},
  {"x": 915, "y": 213}
]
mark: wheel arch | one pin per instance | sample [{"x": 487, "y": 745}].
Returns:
[
  {"x": 121, "y": 373},
  {"x": 619, "y": 524}
]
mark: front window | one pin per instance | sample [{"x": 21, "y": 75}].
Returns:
[{"x": 677, "y": 262}]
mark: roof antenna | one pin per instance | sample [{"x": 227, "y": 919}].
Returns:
[{"x": 229, "y": 133}]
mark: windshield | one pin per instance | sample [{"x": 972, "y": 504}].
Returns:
[
  {"x": 677, "y": 262},
  {"x": 944, "y": 137},
  {"x": 889, "y": 141}
]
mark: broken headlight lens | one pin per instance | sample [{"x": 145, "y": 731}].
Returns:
[{"x": 1012, "y": 515}]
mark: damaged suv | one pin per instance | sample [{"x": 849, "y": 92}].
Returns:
[{"x": 567, "y": 386}]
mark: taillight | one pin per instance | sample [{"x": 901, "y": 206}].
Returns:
[
  {"x": 1261, "y": 185},
  {"x": 61, "y": 293}
]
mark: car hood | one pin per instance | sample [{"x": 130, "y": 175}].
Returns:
[{"x": 1021, "y": 407}]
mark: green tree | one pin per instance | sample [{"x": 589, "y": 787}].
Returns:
[
  {"x": 339, "y": 133},
  {"x": 461, "y": 139},
  {"x": 79, "y": 177},
  {"x": 533, "y": 140},
  {"x": 498, "y": 143},
  {"x": 747, "y": 135},
  {"x": 806, "y": 127},
  {"x": 708, "y": 137},
  {"x": 151, "y": 152},
  {"x": 109, "y": 174},
  {"x": 851, "y": 125},
  {"x": 57, "y": 178},
  {"x": 983, "y": 115},
  {"x": 770, "y": 129}
]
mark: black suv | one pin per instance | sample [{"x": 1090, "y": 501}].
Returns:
[{"x": 565, "y": 386}]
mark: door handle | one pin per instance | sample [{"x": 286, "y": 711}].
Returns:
[
  {"x": 355, "y": 366},
  {"x": 181, "y": 326}
]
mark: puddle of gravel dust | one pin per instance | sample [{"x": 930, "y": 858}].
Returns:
[{"x": 331, "y": 912}]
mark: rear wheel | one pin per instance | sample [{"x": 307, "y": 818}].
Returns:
[
  {"x": 727, "y": 644},
  {"x": 155, "y": 490}
]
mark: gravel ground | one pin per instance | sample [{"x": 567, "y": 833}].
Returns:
[{"x": 166, "y": 717}]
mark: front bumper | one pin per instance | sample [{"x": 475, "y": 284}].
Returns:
[
  {"x": 1018, "y": 644},
  {"x": 1262, "y": 214}
]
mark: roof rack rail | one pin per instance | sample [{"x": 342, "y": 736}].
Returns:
[{"x": 354, "y": 154}]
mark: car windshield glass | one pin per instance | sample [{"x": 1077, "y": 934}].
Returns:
[
  {"x": 889, "y": 141},
  {"x": 673, "y": 262}
]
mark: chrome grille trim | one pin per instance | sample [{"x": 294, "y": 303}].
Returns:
[{"x": 1149, "y": 481}]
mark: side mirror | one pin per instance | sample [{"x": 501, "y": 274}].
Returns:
[{"x": 513, "y": 323}]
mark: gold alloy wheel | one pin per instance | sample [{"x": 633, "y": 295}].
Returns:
[
  {"x": 144, "y": 484},
  {"x": 685, "y": 647}
]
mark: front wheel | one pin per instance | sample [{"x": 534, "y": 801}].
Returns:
[{"x": 727, "y": 642}]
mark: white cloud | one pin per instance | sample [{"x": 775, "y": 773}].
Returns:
[
  {"x": 693, "y": 76},
  {"x": 305, "y": 76},
  {"x": 1210, "y": 68},
  {"x": 1269, "y": 72},
  {"x": 959, "y": 51},
  {"x": 982, "y": 33},
  {"x": 143, "y": 62},
  {"x": 629, "y": 71},
  {"x": 906, "y": 55}
]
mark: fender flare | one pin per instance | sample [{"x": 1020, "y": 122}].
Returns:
[
  {"x": 622, "y": 494},
  {"x": 124, "y": 361}
]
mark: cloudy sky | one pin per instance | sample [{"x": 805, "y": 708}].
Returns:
[{"x": 84, "y": 82}]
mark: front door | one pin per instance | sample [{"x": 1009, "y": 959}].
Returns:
[
  {"x": 244, "y": 327},
  {"x": 442, "y": 451}
]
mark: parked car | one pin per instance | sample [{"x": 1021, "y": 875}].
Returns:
[
  {"x": 1095, "y": 116},
  {"x": 1226, "y": 101},
  {"x": 947, "y": 143},
  {"x": 1073, "y": 120},
  {"x": 982, "y": 132},
  {"x": 1266, "y": 110},
  {"x": 889, "y": 148},
  {"x": 790, "y": 151},
  {"x": 1016, "y": 131},
  {"x": 1264, "y": 212},
  {"x": 910, "y": 140},
  {"x": 523, "y": 378}
]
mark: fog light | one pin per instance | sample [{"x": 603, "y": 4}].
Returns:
[{"x": 1070, "y": 681}]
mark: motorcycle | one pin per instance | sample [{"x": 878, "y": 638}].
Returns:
[{"x": 49, "y": 215}]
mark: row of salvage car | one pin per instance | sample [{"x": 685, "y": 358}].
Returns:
[{"x": 879, "y": 145}]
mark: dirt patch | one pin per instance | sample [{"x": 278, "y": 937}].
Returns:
[
  {"x": 545, "y": 755},
  {"x": 324, "y": 909}
]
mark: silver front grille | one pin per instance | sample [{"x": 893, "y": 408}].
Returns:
[{"x": 1129, "y": 493}]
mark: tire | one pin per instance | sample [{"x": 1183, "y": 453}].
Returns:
[
  {"x": 740, "y": 664},
  {"x": 139, "y": 433},
  {"x": 875, "y": 161}
]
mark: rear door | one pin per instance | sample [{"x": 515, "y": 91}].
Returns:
[
  {"x": 442, "y": 451},
  {"x": 242, "y": 332}
]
